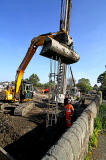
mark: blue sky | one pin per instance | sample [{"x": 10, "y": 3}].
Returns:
[{"x": 21, "y": 20}]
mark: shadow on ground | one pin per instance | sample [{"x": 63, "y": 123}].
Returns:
[{"x": 36, "y": 143}]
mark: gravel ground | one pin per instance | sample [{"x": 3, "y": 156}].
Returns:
[
  {"x": 22, "y": 136},
  {"x": 13, "y": 127},
  {"x": 100, "y": 152}
]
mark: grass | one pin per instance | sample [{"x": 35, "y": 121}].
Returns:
[
  {"x": 99, "y": 125},
  {"x": 93, "y": 141},
  {"x": 86, "y": 158},
  {"x": 102, "y": 115}
]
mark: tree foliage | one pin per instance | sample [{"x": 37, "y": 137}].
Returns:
[
  {"x": 95, "y": 87},
  {"x": 34, "y": 79},
  {"x": 102, "y": 79},
  {"x": 84, "y": 84},
  {"x": 46, "y": 85}
]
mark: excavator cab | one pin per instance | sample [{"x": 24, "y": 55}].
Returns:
[{"x": 26, "y": 91}]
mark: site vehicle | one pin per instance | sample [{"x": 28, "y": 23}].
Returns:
[
  {"x": 53, "y": 41},
  {"x": 58, "y": 45},
  {"x": 25, "y": 94}
]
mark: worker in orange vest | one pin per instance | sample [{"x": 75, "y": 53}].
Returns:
[
  {"x": 69, "y": 111},
  {"x": 43, "y": 91}
]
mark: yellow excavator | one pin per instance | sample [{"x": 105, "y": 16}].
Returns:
[{"x": 58, "y": 45}]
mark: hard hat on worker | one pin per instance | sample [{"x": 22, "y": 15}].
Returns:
[{"x": 69, "y": 100}]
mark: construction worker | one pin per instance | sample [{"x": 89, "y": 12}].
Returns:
[
  {"x": 43, "y": 91},
  {"x": 69, "y": 112}
]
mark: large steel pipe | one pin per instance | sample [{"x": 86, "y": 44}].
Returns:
[{"x": 54, "y": 50}]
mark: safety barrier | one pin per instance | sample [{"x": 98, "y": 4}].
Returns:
[{"x": 73, "y": 145}]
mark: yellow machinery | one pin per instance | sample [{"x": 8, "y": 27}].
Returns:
[
  {"x": 55, "y": 45},
  {"x": 9, "y": 93}
]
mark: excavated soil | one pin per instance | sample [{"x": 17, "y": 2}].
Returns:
[{"x": 27, "y": 137}]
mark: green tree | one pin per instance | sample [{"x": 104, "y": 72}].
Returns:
[
  {"x": 84, "y": 84},
  {"x": 46, "y": 85},
  {"x": 102, "y": 79},
  {"x": 34, "y": 79},
  {"x": 40, "y": 85},
  {"x": 95, "y": 87}
]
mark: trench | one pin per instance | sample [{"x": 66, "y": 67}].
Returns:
[{"x": 39, "y": 140}]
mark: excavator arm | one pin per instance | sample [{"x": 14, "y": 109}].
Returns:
[
  {"x": 35, "y": 43},
  {"x": 57, "y": 46},
  {"x": 31, "y": 51}
]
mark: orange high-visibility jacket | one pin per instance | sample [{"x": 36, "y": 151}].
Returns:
[{"x": 69, "y": 108}]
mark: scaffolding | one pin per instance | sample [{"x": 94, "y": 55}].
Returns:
[{"x": 56, "y": 80}]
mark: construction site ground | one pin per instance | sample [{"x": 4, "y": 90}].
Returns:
[{"x": 27, "y": 137}]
